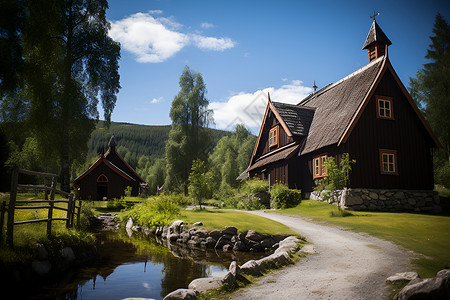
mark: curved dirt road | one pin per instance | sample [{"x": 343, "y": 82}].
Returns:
[{"x": 347, "y": 265}]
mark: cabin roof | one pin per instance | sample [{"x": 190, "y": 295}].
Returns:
[
  {"x": 297, "y": 118},
  {"x": 336, "y": 105},
  {"x": 282, "y": 153},
  {"x": 109, "y": 164}
]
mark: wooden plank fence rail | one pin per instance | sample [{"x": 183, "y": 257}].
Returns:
[{"x": 50, "y": 191}]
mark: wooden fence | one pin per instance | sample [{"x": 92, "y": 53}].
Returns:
[{"x": 72, "y": 209}]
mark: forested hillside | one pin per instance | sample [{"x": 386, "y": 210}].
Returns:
[{"x": 135, "y": 141}]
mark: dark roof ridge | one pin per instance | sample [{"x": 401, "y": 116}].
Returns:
[
  {"x": 332, "y": 85},
  {"x": 276, "y": 151},
  {"x": 295, "y": 105}
]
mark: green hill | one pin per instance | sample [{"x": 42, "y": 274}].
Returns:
[{"x": 135, "y": 141}]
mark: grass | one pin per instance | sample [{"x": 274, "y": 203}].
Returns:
[
  {"x": 428, "y": 235},
  {"x": 27, "y": 235},
  {"x": 219, "y": 219}
]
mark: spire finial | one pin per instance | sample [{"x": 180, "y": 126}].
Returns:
[
  {"x": 268, "y": 96},
  {"x": 374, "y": 15},
  {"x": 315, "y": 86}
]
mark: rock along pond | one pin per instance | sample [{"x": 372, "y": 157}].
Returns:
[{"x": 138, "y": 266}]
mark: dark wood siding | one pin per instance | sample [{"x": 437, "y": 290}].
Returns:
[
  {"x": 115, "y": 186},
  {"x": 405, "y": 134},
  {"x": 283, "y": 138}
]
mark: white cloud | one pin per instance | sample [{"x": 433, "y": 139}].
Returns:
[
  {"x": 248, "y": 108},
  {"x": 155, "y": 39},
  {"x": 157, "y": 100},
  {"x": 206, "y": 25},
  {"x": 155, "y": 12},
  {"x": 212, "y": 43}
]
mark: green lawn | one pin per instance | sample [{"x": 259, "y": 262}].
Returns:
[
  {"x": 220, "y": 219},
  {"x": 428, "y": 235}
]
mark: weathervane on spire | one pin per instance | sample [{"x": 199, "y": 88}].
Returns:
[
  {"x": 374, "y": 15},
  {"x": 315, "y": 86}
]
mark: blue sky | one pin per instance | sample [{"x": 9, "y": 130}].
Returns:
[{"x": 244, "y": 49}]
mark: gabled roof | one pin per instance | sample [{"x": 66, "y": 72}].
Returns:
[
  {"x": 336, "y": 104},
  {"x": 279, "y": 154},
  {"x": 129, "y": 170},
  {"x": 110, "y": 165},
  {"x": 376, "y": 35},
  {"x": 297, "y": 118}
]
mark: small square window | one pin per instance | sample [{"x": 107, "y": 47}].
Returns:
[
  {"x": 273, "y": 137},
  {"x": 388, "y": 162},
  {"x": 385, "y": 109}
]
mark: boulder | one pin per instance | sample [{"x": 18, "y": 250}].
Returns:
[
  {"x": 173, "y": 237},
  {"x": 405, "y": 276},
  {"x": 267, "y": 243},
  {"x": 194, "y": 243},
  {"x": 129, "y": 223},
  {"x": 41, "y": 251},
  {"x": 210, "y": 242},
  {"x": 222, "y": 242},
  {"x": 67, "y": 254},
  {"x": 233, "y": 272},
  {"x": 215, "y": 234},
  {"x": 230, "y": 231},
  {"x": 254, "y": 236},
  {"x": 175, "y": 227},
  {"x": 181, "y": 294},
  {"x": 227, "y": 248},
  {"x": 430, "y": 288},
  {"x": 251, "y": 267},
  {"x": 198, "y": 224},
  {"x": 308, "y": 249},
  {"x": 239, "y": 246},
  {"x": 41, "y": 267},
  {"x": 352, "y": 199},
  {"x": 201, "y": 285}
]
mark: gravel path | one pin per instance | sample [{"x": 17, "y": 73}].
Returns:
[{"x": 346, "y": 265}]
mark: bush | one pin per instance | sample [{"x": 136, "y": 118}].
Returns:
[
  {"x": 283, "y": 197},
  {"x": 443, "y": 175},
  {"x": 255, "y": 185},
  {"x": 155, "y": 211},
  {"x": 250, "y": 203}
]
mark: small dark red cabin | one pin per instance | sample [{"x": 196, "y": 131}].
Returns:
[{"x": 108, "y": 177}]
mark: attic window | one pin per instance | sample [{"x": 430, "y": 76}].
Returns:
[
  {"x": 319, "y": 169},
  {"x": 273, "y": 137},
  {"x": 385, "y": 109},
  {"x": 102, "y": 178},
  {"x": 388, "y": 162}
]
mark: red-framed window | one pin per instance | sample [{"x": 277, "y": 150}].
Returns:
[
  {"x": 319, "y": 169},
  {"x": 273, "y": 137},
  {"x": 102, "y": 178},
  {"x": 388, "y": 162},
  {"x": 385, "y": 108}
]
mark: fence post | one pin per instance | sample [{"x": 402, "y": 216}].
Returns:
[
  {"x": 50, "y": 210},
  {"x": 69, "y": 222},
  {"x": 2, "y": 219},
  {"x": 11, "y": 206},
  {"x": 79, "y": 216}
]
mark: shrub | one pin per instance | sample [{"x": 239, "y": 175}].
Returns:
[
  {"x": 159, "y": 210},
  {"x": 283, "y": 197},
  {"x": 249, "y": 203},
  {"x": 443, "y": 175},
  {"x": 255, "y": 185}
]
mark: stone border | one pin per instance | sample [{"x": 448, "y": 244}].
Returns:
[
  {"x": 281, "y": 257},
  {"x": 386, "y": 200}
]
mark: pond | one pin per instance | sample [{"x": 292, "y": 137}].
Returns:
[{"x": 139, "y": 267}]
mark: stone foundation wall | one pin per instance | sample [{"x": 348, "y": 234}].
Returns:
[{"x": 385, "y": 200}]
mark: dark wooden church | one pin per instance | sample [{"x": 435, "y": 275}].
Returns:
[
  {"x": 368, "y": 114},
  {"x": 108, "y": 177}
]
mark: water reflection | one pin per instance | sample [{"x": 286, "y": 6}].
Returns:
[{"x": 139, "y": 266}]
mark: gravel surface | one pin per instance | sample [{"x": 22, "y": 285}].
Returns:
[{"x": 346, "y": 265}]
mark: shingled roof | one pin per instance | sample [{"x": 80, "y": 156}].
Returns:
[
  {"x": 297, "y": 118},
  {"x": 376, "y": 35},
  {"x": 336, "y": 104}
]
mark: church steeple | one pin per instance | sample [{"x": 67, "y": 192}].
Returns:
[
  {"x": 112, "y": 144},
  {"x": 376, "y": 42}
]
